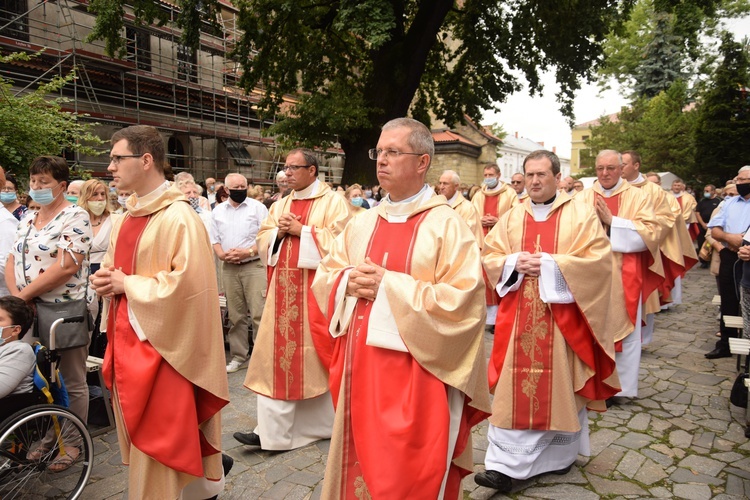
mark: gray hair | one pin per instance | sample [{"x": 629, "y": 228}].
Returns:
[
  {"x": 608, "y": 152},
  {"x": 234, "y": 174},
  {"x": 311, "y": 159},
  {"x": 420, "y": 138},
  {"x": 455, "y": 179},
  {"x": 78, "y": 183},
  {"x": 744, "y": 169}
]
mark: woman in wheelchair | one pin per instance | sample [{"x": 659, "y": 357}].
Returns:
[{"x": 17, "y": 359}]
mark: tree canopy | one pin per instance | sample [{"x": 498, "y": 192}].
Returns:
[
  {"x": 345, "y": 68},
  {"x": 31, "y": 124}
]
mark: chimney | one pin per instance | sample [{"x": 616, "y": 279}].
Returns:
[
  {"x": 516, "y": 134},
  {"x": 541, "y": 143},
  {"x": 554, "y": 149}
]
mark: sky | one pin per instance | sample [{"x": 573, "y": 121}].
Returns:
[{"x": 539, "y": 118}]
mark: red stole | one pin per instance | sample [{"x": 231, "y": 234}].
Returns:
[
  {"x": 490, "y": 208},
  {"x": 395, "y": 412},
  {"x": 526, "y": 325},
  {"x": 292, "y": 313},
  {"x": 150, "y": 391}
]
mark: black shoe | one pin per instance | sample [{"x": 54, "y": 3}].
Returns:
[
  {"x": 718, "y": 353},
  {"x": 489, "y": 329},
  {"x": 562, "y": 472},
  {"x": 227, "y": 463},
  {"x": 250, "y": 438},
  {"x": 610, "y": 402},
  {"x": 493, "y": 479},
  {"x": 747, "y": 432}
]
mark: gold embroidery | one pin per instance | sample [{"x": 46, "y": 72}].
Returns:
[
  {"x": 360, "y": 488},
  {"x": 288, "y": 315},
  {"x": 536, "y": 327}
]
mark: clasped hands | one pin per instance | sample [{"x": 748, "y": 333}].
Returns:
[
  {"x": 289, "y": 224},
  {"x": 108, "y": 282},
  {"x": 529, "y": 263},
  {"x": 364, "y": 280},
  {"x": 603, "y": 211}
]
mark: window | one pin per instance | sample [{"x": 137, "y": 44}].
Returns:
[
  {"x": 138, "y": 46},
  {"x": 186, "y": 64},
  {"x": 14, "y": 14},
  {"x": 238, "y": 153},
  {"x": 584, "y": 137}
]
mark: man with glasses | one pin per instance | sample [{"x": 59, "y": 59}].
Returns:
[
  {"x": 729, "y": 227},
  {"x": 402, "y": 292},
  {"x": 165, "y": 358},
  {"x": 492, "y": 201},
  {"x": 448, "y": 187},
  {"x": 519, "y": 186},
  {"x": 294, "y": 404},
  {"x": 627, "y": 214}
]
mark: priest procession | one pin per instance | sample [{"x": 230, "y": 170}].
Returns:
[{"x": 537, "y": 338}]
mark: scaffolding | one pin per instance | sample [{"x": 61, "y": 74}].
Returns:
[{"x": 192, "y": 97}]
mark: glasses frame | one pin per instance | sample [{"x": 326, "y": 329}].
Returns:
[
  {"x": 116, "y": 159},
  {"x": 374, "y": 154},
  {"x": 294, "y": 168}
]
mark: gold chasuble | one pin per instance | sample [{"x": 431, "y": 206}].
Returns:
[
  {"x": 640, "y": 272},
  {"x": 394, "y": 405},
  {"x": 469, "y": 214},
  {"x": 284, "y": 364},
  {"x": 493, "y": 202},
  {"x": 168, "y": 387},
  {"x": 551, "y": 360}
]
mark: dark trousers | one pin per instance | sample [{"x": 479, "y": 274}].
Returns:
[
  {"x": 700, "y": 240},
  {"x": 730, "y": 302}
]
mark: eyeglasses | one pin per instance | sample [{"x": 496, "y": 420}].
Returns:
[
  {"x": 294, "y": 168},
  {"x": 374, "y": 154},
  {"x": 116, "y": 159}
]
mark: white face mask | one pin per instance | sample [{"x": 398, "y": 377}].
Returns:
[
  {"x": 4, "y": 339},
  {"x": 97, "y": 207},
  {"x": 122, "y": 200}
]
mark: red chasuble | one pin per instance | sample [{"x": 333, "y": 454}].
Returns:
[
  {"x": 292, "y": 313},
  {"x": 526, "y": 325},
  {"x": 396, "y": 414},
  {"x": 638, "y": 282},
  {"x": 160, "y": 407}
]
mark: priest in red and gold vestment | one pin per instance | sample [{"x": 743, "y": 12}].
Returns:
[
  {"x": 687, "y": 203},
  {"x": 627, "y": 215},
  {"x": 492, "y": 201},
  {"x": 164, "y": 362},
  {"x": 402, "y": 290},
  {"x": 294, "y": 405},
  {"x": 560, "y": 311},
  {"x": 448, "y": 186}
]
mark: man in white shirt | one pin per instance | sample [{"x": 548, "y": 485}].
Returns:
[
  {"x": 8, "y": 225},
  {"x": 234, "y": 227}
]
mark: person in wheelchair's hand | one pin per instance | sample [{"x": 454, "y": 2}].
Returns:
[{"x": 17, "y": 359}]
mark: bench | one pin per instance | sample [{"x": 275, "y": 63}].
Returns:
[
  {"x": 733, "y": 322},
  {"x": 94, "y": 364}
]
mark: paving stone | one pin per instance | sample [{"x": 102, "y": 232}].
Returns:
[
  {"x": 608, "y": 487},
  {"x": 727, "y": 457},
  {"x": 635, "y": 440},
  {"x": 681, "y": 475},
  {"x": 639, "y": 422},
  {"x": 604, "y": 463},
  {"x": 660, "y": 492},
  {"x": 562, "y": 491},
  {"x": 650, "y": 473},
  {"x": 692, "y": 491},
  {"x": 680, "y": 439},
  {"x": 702, "y": 465},
  {"x": 601, "y": 439},
  {"x": 630, "y": 463},
  {"x": 735, "y": 485}
]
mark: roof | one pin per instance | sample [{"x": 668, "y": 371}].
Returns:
[
  {"x": 446, "y": 136},
  {"x": 520, "y": 143},
  {"x": 613, "y": 118}
]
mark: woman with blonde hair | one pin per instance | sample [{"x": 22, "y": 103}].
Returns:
[{"x": 354, "y": 196}]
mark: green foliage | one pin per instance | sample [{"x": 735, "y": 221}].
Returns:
[
  {"x": 32, "y": 124},
  {"x": 723, "y": 126},
  {"x": 661, "y": 64}
]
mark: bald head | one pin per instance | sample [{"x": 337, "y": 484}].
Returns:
[{"x": 448, "y": 183}]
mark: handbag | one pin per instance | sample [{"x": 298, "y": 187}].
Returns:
[
  {"x": 67, "y": 335},
  {"x": 738, "y": 395},
  {"x": 706, "y": 251}
]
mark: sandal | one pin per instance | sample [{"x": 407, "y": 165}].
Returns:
[
  {"x": 37, "y": 453},
  {"x": 64, "y": 462}
]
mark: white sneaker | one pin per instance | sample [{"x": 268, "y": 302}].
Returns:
[{"x": 233, "y": 366}]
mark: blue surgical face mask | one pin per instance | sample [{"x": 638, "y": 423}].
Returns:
[
  {"x": 357, "y": 201},
  {"x": 71, "y": 198},
  {"x": 705, "y": 195},
  {"x": 368, "y": 193},
  {"x": 42, "y": 196},
  {"x": 490, "y": 182},
  {"x": 7, "y": 197}
]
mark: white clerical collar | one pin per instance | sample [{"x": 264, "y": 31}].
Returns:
[
  {"x": 453, "y": 198},
  {"x": 141, "y": 201},
  {"x": 522, "y": 194},
  {"x": 399, "y": 211},
  {"x": 608, "y": 192},
  {"x": 638, "y": 179},
  {"x": 540, "y": 211},
  {"x": 678, "y": 195},
  {"x": 307, "y": 192}
]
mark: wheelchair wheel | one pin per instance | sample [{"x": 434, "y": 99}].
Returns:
[{"x": 30, "y": 441}]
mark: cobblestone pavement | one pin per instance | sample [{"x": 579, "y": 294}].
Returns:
[{"x": 680, "y": 439}]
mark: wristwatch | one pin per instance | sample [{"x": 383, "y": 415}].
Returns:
[{"x": 252, "y": 252}]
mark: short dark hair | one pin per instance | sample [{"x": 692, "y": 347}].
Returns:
[
  {"x": 19, "y": 311},
  {"x": 311, "y": 159},
  {"x": 634, "y": 155},
  {"x": 53, "y": 165},
  {"x": 144, "y": 139},
  {"x": 12, "y": 179},
  {"x": 543, "y": 153}
]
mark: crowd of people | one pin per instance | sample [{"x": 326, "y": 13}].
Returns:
[{"x": 357, "y": 310}]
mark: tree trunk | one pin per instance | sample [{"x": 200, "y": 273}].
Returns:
[{"x": 359, "y": 167}]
